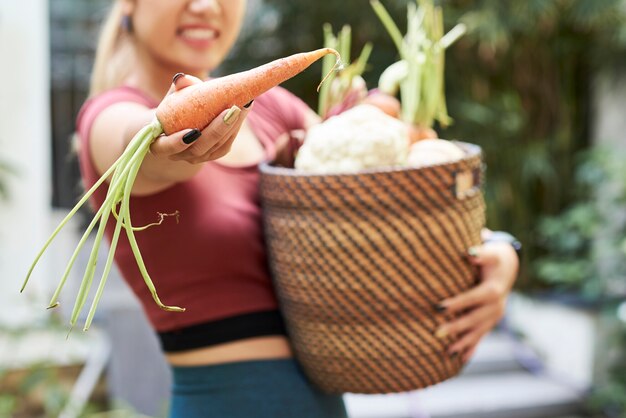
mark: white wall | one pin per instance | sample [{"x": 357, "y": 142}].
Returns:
[{"x": 25, "y": 143}]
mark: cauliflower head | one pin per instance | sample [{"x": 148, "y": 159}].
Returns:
[{"x": 362, "y": 137}]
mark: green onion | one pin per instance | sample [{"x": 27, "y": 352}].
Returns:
[
  {"x": 346, "y": 75},
  {"x": 122, "y": 173},
  {"x": 419, "y": 74}
]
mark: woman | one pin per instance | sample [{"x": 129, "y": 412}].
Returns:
[{"x": 229, "y": 353}]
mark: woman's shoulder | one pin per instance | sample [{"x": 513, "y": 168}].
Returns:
[{"x": 93, "y": 106}]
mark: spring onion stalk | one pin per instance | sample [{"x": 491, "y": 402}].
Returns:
[
  {"x": 419, "y": 75},
  {"x": 122, "y": 174},
  {"x": 340, "y": 84}
]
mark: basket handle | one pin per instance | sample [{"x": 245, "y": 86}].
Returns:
[{"x": 467, "y": 183}]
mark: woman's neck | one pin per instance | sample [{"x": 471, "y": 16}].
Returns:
[{"x": 153, "y": 77}]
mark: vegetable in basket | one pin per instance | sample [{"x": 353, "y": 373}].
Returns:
[
  {"x": 358, "y": 142},
  {"x": 196, "y": 106},
  {"x": 419, "y": 75},
  {"x": 360, "y": 138},
  {"x": 345, "y": 88}
]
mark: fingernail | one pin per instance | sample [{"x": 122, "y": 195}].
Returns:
[
  {"x": 247, "y": 105},
  {"x": 439, "y": 307},
  {"x": 176, "y": 77},
  {"x": 454, "y": 354},
  {"x": 231, "y": 115},
  {"x": 191, "y": 136},
  {"x": 473, "y": 252},
  {"x": 441, "y": 333}
]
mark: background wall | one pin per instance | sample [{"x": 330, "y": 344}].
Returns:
[{"x": 25, "y": 146}]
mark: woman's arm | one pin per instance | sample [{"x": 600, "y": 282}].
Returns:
[{"x": 173, "y": 158}]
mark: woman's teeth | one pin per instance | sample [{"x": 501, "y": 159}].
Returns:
[{"x": 198, "y": 34}]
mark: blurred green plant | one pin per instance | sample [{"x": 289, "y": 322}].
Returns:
[
  {"x": 6, "y": 170},
  {"x": 15, "y": 399},
  {"x": 586, "y": 256},
  {"x": 43, "y": 388},
  {"x": 39, "y": 389},
  {"x": 525, "y": 96},
  {"x": 585, "y": 244}
]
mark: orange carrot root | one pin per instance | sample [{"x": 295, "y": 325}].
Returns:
[{"x": 197, "y": 105}]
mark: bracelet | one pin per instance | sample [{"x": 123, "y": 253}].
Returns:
[{"x": 501, "y": 236}]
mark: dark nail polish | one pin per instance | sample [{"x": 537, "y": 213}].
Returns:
[
  {"x": 176, "y": 77},
  {"x": 439, "y": 307},
  {"x": 247, "y": 105},
  {"x": 191, "y": 136},
  {"x": 454, "y": 354}
]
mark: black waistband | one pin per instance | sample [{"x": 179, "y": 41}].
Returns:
[{"x": 234, "y": 328}]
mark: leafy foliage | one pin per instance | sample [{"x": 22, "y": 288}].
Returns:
[
  {"x": 525, "y": 98},
  {"x": 586, "y": 253},
  {"x": 586, "y": 243}
]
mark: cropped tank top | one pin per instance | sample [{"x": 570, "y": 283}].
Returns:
[{"x": 213, "y": 261}]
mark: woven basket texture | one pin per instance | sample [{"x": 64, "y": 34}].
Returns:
[{"x": 359, "y": 262}]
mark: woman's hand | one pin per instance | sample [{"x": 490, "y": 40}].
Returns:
[
  {"x": 195, "y": 146},
  {"x": 480, "y": 308}
]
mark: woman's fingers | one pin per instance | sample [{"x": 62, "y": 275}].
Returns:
[
  {"x": 484, "y": 255},
  {"x": 223, "y": 149},
  {"x": 471, "y": 320},
  {"x": 497, "y": 261},
  {"x": 221, "y": 131},
  {"x": 193, "y": 145},
  {"x": 168, "y": 145},
  {"x": 181, "y": 81},
  {"x": 217, "y": 132},
  {"x": 470, "y": 339},
  {"x": 223, "y": 128},
  {"x": 480, "y": 308},
  {"x": 485, "y": 292},
  {"x": 232, "y": 121},
  {"x": 498, "y": 269}
]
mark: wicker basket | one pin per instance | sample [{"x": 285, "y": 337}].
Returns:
[{"x": 360, "y": 260}]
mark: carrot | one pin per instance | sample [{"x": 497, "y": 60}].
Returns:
[
  {"x": 193, "y": 107},
  {"x": 201, "y": 103}
]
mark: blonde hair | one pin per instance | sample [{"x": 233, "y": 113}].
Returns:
[{"x": 114, "y": 53}]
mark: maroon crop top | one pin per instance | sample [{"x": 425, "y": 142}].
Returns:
[{"x": 213, "y": 262}]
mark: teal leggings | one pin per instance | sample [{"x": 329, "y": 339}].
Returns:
[{"x": 250, "y": 389}]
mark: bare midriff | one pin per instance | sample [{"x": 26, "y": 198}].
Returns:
[{"x": 258, "y": 348}]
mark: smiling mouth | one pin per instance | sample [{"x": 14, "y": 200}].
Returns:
[{"x": 198, "y": 34}]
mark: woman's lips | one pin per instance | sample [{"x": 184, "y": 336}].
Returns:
[{"x": 198, "y": 37}]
